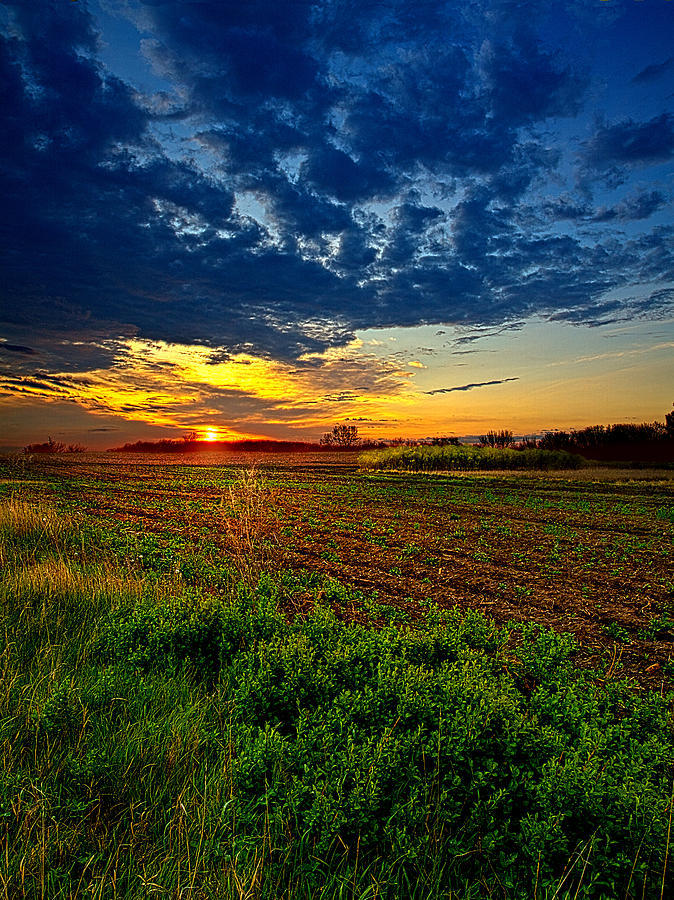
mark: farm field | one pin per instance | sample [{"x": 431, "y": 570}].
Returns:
[
  {"x": 588, "y": 552},
  {"x": 301, "y": 680}
]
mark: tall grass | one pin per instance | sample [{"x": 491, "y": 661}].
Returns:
[
  {"x": 156, "y": 741},
  {"x": 26, "y": 531},
  {"x": 451, "y": 458},
  {"x": 251, "y": 524}
]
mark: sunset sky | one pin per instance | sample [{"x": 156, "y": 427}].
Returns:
[{"x": 262, "y": 218}]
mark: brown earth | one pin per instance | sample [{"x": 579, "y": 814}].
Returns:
[{"x": 586, "y": 552}]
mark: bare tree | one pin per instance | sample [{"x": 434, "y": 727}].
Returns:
[
  {"x": 341, "y": 436},
  {"x": 498, "y": 439}
]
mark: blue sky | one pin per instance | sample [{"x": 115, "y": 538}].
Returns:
[{"x": 262, "y": 218}]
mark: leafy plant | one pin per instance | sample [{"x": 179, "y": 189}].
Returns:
[{"x": 617, "y": 632}]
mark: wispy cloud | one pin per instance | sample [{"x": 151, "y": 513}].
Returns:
[
  {"x": 470, "y": 387},
  {"x": 180, "y": 386},
  {"x": 614, "y": 354},
  {"x": 17, "y": 348}
]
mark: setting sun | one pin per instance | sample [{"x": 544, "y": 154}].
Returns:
[{"x": 210, "y": 434}]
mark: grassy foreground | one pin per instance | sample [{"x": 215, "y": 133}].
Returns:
[{"x": 163, "y": 736}]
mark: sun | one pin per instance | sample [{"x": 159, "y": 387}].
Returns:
[{"x": 211, "y": 434}]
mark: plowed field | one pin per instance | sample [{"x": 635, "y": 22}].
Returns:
[{"x": 586, "y": 552}]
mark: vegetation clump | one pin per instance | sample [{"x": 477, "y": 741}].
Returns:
[
  {"x": 464, "y": 458},
  {"x": 52, "y": 446}
]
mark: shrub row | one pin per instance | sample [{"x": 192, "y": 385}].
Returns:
[{"x": 451, "y": 458}]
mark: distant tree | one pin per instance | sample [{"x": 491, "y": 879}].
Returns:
[
  {"x": 49, "y": 446},
  {"x": 669, "y": 424},
  {"x": 555, "y": 440},
  {"x": 590, "y": 437},
  {"x": 445, "y": 442},
  {"x": 498, "y": 439},
  {"x": 341, "y": 436}
]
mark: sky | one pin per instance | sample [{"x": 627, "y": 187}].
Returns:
[{"x": 265, "y": 218}]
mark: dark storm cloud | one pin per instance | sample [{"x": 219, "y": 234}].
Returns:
[
  {"x": 632, "y": 143},
  {"x": 470, "y": 387},
  {"x": 17, "y": 348},
  {"x": 641, "y": 204},
  {"x": 638, "y": 206},
  {"x": 334, "y": 172},
  {"x": 310, "y": 169},
  {"x": 654, "y": 71},
  {"x": 515, "y": 96}
]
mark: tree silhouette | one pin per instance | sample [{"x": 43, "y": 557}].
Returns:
[
  {"x": 499, "y": 439},
  {"x": 341, "y": 436},
  {"x": 669, "y": 424}
]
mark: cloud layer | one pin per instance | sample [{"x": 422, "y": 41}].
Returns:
[{"x": 305, "y": 170}]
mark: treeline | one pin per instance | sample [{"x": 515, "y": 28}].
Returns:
[
  {"x": 643, "y": 442},
  {"x": 604, "y": 435},
  {"x": 169, "y": 445}
]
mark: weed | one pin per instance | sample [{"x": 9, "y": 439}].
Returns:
[
  {"x": 28, "y": 531},
  {"x": 617, "y": 632},
  {"x": 658, "y": 627},
  {"x": 251, "y": 525}
]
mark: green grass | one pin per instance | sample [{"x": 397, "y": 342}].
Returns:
[
  {"x": 426, "y": 459},
  {"x": 162, "y": 739}
]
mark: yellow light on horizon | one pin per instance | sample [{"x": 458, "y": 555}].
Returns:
[{"x": 210, "y": 434}]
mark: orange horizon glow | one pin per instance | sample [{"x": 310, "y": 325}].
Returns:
[{"x": 540, "y": 378}]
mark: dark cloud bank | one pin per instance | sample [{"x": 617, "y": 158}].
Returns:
[{"x": 311, "y": 169}]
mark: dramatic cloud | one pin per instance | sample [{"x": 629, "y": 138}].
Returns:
[
  {"x": 266, "y": 179},
  {"x": 632, "y": 143}
]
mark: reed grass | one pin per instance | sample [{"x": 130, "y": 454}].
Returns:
[{"x": 463, "y": 458}]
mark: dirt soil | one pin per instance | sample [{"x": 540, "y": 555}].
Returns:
[{"x": 586, "y": 552}]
